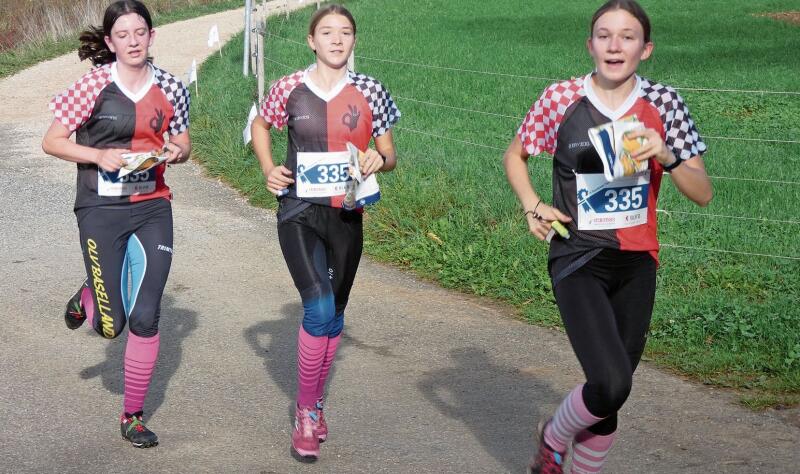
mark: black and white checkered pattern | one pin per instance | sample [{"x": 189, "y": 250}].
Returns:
[
  {"x": 682, "y": 136},
  {"x": 178, "y": 95},
  {"x": 384, "y": 111}
]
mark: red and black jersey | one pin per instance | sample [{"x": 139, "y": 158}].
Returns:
[
  {"x": 356, "y": 110},
  {"x": 104, "y": 114},
  {"x": 558, "y": 123}
]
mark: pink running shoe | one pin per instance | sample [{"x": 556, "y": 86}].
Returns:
[
  {"x": 547, "y": 460},
  {"x": 304, "y": 437},
  {"x": 322, "y": 426}
]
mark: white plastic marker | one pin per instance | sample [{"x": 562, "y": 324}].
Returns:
[
  {"x": 248, "y": 137},
  {"x": 213, "y": 38},
  {"x": 192, "y": 73}
]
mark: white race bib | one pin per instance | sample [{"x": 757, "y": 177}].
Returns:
[
  {"x": 110, "y": 184},
  {"x": 322, "y": 174},
  {"x": 612, "y": 205}
]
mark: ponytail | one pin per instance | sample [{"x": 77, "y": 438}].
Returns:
[{"x": 94, "y": 48}]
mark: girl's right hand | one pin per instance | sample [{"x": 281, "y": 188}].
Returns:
[
  {"x": 110, "y": 159},
  {"x": 540, "y": 226},
  {"x": 278, "y": 179}
]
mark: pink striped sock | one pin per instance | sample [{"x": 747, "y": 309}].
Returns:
[
  {"x": 330, "y": 354},
  {"x": 88, "y": 305},
  {"x": 571, "y": 418},
  {"x": 310, "y": 355},
  {"x": 140, "y": 360},
  {"x": 589, "y": 452}
]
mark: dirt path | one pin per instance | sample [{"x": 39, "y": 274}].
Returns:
[{"x": 427, "y": 380}]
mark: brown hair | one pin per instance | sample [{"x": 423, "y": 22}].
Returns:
[
  {"x": 332, "y": 9},
  {"x": 630, "y": 6},
  {"x": 93, "y": 42}
]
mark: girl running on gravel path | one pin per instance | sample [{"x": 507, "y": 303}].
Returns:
[
  {"x": 604, "y": 274},
  {"x": 325, "y": 107},
  {"x": 124, "y": 106}
]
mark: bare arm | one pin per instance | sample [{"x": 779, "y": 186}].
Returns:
[
  {"x": 56, "y": 142},
  {"x": 372, "y": 161},
  {"x": 179, "y": 148},
  {"x": 278, "y": 178},
  {"x": 538, "y": 214},
  {"x": 689, "y": 177}
]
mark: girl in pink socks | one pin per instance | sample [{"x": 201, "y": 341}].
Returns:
[
  {"x": 326, "y": 108},
  {"x": 123, "y": 106},
  {"x": 604, "y": 272}
]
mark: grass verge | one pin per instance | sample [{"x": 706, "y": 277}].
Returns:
[
  {"x": 725, "y": 319},
  {"x": 15, "y": 59}
]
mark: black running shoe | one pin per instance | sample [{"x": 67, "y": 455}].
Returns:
[
  {"x": 134, "y": 431},
  {"x": 75, "y": 314}
]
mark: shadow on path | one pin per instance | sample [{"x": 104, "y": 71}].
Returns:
[
  {"x": 174, "y": 326},
  {"x": 499, "y": 404}
]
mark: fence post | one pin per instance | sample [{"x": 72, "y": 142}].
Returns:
[
  {"x": 261, "y": 37},
  {"x": 246, "y": 61},
  {"x": 254, "y": 15}
]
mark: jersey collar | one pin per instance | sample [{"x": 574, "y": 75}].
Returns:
[
  {"x": 619, "y": 112},
  {"x": 326, "y": 96},
  {"x": 133, "y": 96}
]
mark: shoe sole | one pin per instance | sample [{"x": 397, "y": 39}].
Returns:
[
  {"x": 306, "y": 454},
  {"x": 149, "y": 444}
]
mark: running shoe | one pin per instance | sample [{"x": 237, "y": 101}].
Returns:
[
  {"x": 75, "y": 314},
  {"x": 322, "y": 426},
  {"x": 547, "y": 460},
  {"x": 304, "y": 436},
  {"x": 134, "y": 431}
]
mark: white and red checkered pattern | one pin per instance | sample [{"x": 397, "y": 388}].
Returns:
[
  {"x": 384, "y": 111},
  {"x": 74, "y": 106},
  {"x": 682, "y": 136},
  {"x": 274, "y": 107},
  {"x": 539, "y": 130}
]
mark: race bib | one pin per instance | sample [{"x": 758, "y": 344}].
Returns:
[
  {"x": 322, "y": 174},
  {"x": 611, "y": 205},
  {"x": 110, "y": 184}
]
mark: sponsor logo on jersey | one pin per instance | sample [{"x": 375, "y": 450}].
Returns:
[
  {"x": 350, "y": 119},
  {"x": 106, "y": 117},
  {"x": 301, "y": 117},
  {"x": 573, "y": 145},
  {"x": 103, "y": 307},
  {"x": 164, "y": 248},
  {"x": 157, "y": 121}
]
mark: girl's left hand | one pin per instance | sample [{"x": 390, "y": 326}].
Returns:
[
  {"x": 654, "y": 147},
  {"x": 370, "y": 162},
  {"x": 174, "y": 153}
]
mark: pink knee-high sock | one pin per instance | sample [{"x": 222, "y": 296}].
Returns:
[
  {"x": 88, "y": 305},
  {"x": 589, "y": 452},
  {"x": 140, "y": 360},
  {"x": 571, "y": 418},
  {"x": 310, "y": 355},
  {"x": 330, "y": 354}
]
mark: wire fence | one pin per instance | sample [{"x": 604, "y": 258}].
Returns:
[{"x": 704, "y": 215}]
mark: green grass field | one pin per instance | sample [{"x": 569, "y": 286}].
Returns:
[{"x": 726, "y": 319}]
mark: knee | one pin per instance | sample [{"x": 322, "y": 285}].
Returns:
[
  {"x": 609, "y": 395},
  {"x": 336, "y": 326},
  {"x": 109, "y": 327},
  {"x": 616, "y": 391},
  {"x": 318, "y": 314},
  {"x": 144, "y": 321}
]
